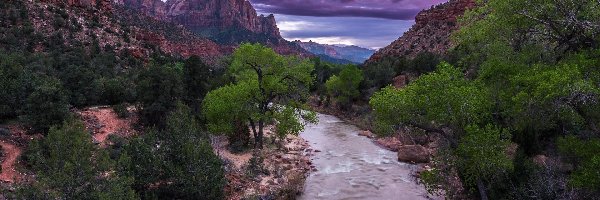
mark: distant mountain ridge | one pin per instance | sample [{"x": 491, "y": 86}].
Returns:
[{"x": 338, "y": 53}]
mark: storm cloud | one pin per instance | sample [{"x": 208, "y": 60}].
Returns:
[
  {"x": 386, "y": 9},
  {"x": 366, "y": 23}
]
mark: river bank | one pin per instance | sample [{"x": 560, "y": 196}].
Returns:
[{"x": 278, "y": 171}]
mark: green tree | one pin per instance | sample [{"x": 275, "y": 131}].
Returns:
[
  {"x": 266, "y": 83},
  {"x": 345, "y": 86},
  {"x": 11, "y": 85},
  {"x": 47, "y": 105},
  {"x": 197, "y": 78},
  {"x": 482, "y": 156},
  {"x": 442, "y": 99},
  {"x": 217, "y": 108},
  {"x": 159, "y": 88},
  {"x": 446, "y": 103},
  {"x": 182, "y": 165},
  {"x": 66, "y": 161}
]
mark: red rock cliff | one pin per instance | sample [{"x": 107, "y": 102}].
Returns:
[
  {"x": 227, "y": 22},
  {"x": 431, "y": 32},
  {"x": 220, "y": 14}
]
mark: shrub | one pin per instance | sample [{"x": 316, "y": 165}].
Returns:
[
  {"x": 121, "y": 110},
  {"x": 47, "y": 105}
]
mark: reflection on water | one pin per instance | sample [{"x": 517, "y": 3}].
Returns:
[{"x": 352, "y": 167}]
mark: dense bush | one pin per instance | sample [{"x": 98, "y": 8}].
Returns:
[
  {"x": 184, "y": 158},
  {"x": 344, "y": 87},
  {"x": 66, "y": 161},
  {"x": 47, "y": 105},
  {"x": 158, "y": 89}
]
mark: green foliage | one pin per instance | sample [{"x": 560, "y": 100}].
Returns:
[
  {"x": 586, "y": 154},
  {"x": 532, "y": 69},
  {"x": 345, "y": 86},
  {"x": 67, "y": 162},
  {"x": 47, "y": 105},
  {"x": 264, "y": 82},
  {"x": 323, "y": 71},
  {"x": 177, "y": 162},
  {"x": 159, "y": 88},
  {"x": 380, "y": 74},
  {"x": 219, "y": 103},
  {"x": 444, "y": 96},
  {"x": 288, "y": 123},
  {"x": 255, "y": 166},
  {"x": 121, "y": 110},
  {"x": 482, "y": 154},
  {"x": 424, "y": 62},
  {"x": 197, "y": 79},
  {"x": 12, "y": 76}
]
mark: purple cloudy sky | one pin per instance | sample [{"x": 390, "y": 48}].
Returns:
[{"x": 367, "y": 23}]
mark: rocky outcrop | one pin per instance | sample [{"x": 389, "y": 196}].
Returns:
[
  {"x": 400, "y": 81},
  {"x": 413, "y": 154},
  {"x": 431, "y": 32}
]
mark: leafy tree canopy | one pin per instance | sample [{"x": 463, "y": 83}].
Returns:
[{"x": 266, "y": 86}]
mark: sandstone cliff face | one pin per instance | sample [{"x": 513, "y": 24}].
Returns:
[
  {"x": 208, "y": 17},
  {"x": 227, "y": 22},
  {"x": 431, "y": 32},
  {"x": 199, "y": 15}
]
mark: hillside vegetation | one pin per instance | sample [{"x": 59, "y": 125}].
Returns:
[{"x": 526, "y": 76}]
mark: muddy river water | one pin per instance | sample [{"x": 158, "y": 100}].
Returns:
[{"x": 352, "y": 167}]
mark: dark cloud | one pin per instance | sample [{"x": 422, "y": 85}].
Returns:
[
  {"x": 361, "y": 31},
  {"x": 386, "y": 9}
]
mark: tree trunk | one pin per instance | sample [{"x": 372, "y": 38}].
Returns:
[
  {"x": 481, "y": 189},
  {"x": 261, "y": 125},
  {"x": 254, "y": 132}
]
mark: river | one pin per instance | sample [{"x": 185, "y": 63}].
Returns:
[{"x": 353, "y": 167}]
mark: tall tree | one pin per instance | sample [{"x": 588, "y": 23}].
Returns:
[
  {"x": 196, "y": 79},
  {"x": 266, "y": 84}
]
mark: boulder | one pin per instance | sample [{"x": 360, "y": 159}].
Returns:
[
  {"x": 390, "y": 143},
  {"x": 367, "y": 133},
  {"x": 400, "y": 81},
  {"x": 413, "y": 154}
]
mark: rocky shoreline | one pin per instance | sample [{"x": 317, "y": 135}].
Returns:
[{"x": 276, "y": 172}]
